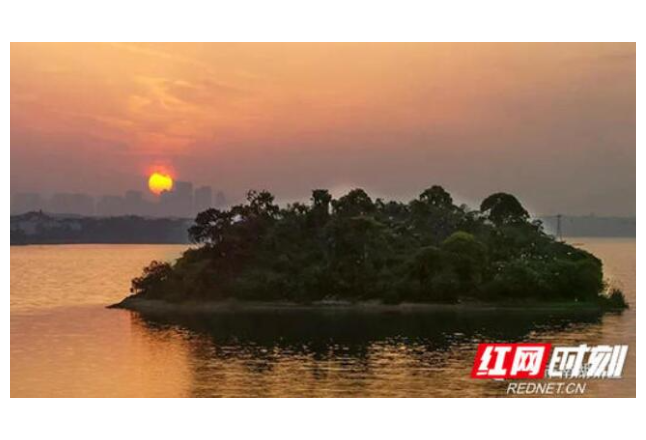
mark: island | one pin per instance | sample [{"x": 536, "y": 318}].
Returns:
[{"x": 354, "y": 251}]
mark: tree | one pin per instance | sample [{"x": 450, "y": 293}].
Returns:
[
  {"x": 424, "y": 250},
  {"x": 468, "y": 257},
  {"x": 320, "y": 212},
  {"x": 262, "y": 204},
  {"x": 151, "y": 283},
  {"x": 427, "y": 263},
  {"x": 321, "y": 199},
  {"x": 433, "y": 215},
  {"x": 503, "y": 208},
  {"x": 353, "y": 204},
  {"x": 210, "y": 227},
  {"x": 356, "y": 247},
  {"x": 437, "y": 197}
]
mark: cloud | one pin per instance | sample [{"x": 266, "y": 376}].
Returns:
[
  {"x": 199, "y": 68},
  {"x": 148, "y": 50}
]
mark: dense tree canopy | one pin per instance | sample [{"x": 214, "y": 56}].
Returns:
[
  {"x": 503, "y": 208},
  {"x": 357, "y": 248}
]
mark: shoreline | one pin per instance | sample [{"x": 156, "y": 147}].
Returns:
[
  {"x": 568, "y": 239},
  {"x": 142, "y": 305},
  {"x": 117, "y": 243}
]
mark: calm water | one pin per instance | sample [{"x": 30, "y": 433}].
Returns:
[{"x": 65, "y": 343}]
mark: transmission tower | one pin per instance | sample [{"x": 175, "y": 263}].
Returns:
[{"x": 559, "y": 232}]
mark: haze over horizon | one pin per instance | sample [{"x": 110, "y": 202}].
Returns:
[{"x": 553, "y": 124}]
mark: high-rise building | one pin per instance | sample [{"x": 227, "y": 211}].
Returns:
[
  {"x": 67, "y": 203},
  {"x": 203, "y": 199},
  {"x": 182, "y": 201},
  {"x": 134, "y": 203},
  {"x": 110, "y": 206},
  {"x": 220, "y": 200},
  {"x": 177, "y": 202}
]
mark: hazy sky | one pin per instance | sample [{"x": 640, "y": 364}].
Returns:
[{"x": 552, "y": 123}]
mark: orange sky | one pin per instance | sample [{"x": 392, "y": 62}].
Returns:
[{"x": 554, "y": 123}]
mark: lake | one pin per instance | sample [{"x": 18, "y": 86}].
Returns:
[{"x": 64, "y": 342}]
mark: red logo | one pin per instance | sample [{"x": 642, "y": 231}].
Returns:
[{"x": 510, "y": 361}]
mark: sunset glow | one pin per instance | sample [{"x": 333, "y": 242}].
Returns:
[
  {"x": 391, "y": 118},
  {"x": 158, "y": 182},
  {"x": 321, "y": 220}
]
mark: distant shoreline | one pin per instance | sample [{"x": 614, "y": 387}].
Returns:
[
  {"x": 42, "y": 228},
  {"x": 568, "y": 239},
  {"x": 591, "y": 226}
]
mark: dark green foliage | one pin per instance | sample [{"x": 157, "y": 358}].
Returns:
[
  {"x": 354, "y": 203},
  {"x": 468, "y": 258},
  {"x": 354, "y": 248},
  {"x": 153, "y": 281},
  {"x": 438, "y": 197},
  {"x": 615, "y": 300},
  {"x": 503, "y": 208}
]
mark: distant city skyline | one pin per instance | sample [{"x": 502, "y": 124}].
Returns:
[{"x": 181, "y": 201}]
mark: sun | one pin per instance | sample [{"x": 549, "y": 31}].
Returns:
[{"x": 158, "y": 182}]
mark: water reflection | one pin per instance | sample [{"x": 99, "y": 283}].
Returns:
[
  {"x": 65, "y": 343},
  {"x": 345, "y": 353}
]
